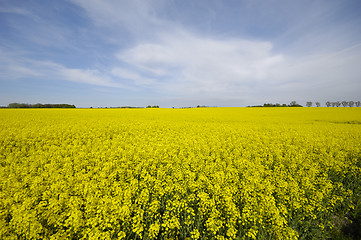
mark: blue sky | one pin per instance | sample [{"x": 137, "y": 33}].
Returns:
[{"x": 179, "y": 52}]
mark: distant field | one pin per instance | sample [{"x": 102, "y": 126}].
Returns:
[{"x": 202, "y": 173}]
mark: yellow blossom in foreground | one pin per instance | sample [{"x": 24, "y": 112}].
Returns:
[{"x": 208, "y": 173}]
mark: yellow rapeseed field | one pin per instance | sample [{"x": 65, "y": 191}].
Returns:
[{"x": 202, "y": 173}]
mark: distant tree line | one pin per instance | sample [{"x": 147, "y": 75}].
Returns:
[
  {"x": 39, "y": 105},
  {"x": 336, "y": 104},
  {"x": 127, "y": 107},
  {"x": 343, "y": 103},
  {"x": 292, "y": 104},
  {"x": 152, "y": 106}
]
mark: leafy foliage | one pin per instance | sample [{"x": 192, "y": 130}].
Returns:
[{"x": 39, "y": 105}]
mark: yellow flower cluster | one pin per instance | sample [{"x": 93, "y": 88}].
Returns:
[{"x": 208, "y": 173}]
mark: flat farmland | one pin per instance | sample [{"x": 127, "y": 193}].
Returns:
[{"x": 200, "y": 173}]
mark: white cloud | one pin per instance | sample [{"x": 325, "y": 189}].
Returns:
[
  {"x": 15, "y": 66},
  {"x": 87, "y": 76},
  {"x": 131, "y": 77},
  {"x": 192, "y": 66},
  {"x": 195, "y": 64}
]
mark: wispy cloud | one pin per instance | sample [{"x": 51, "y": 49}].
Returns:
[
  {"x": 16, "y": 10},
  {"x": 136, "y": 18},
  {"x": 15, "y": 67},
  {"x": 92, "y": 77}
]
